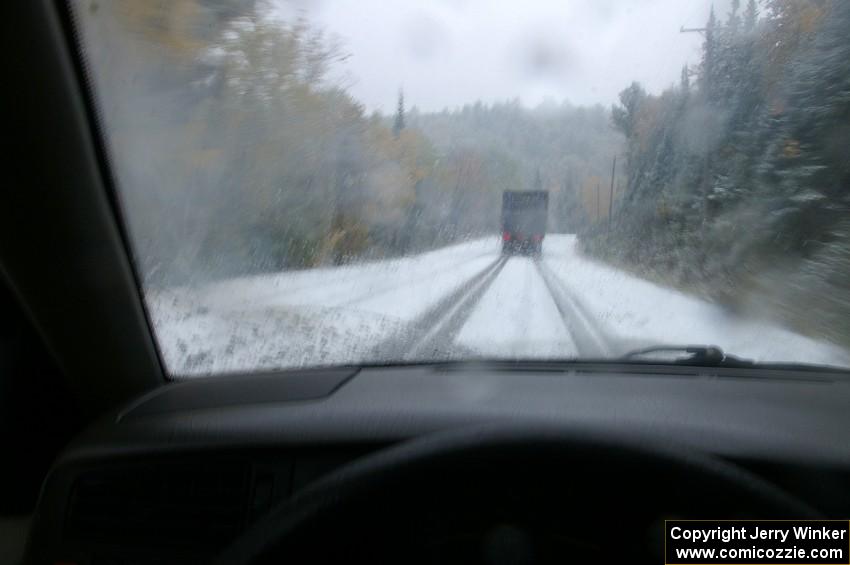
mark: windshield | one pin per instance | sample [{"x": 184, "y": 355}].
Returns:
[{"x": 353, "y": 182}]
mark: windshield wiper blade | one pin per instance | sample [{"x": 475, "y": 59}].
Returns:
[{"x": 698, "y": 355}]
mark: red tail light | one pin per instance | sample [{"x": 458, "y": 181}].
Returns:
[
  {"x": 537, "y": 237},
  {"x": 506, "y": 236}
]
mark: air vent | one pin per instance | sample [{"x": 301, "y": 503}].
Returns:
[{"x": 169, "y": 504}]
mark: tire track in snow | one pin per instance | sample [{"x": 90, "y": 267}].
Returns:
[
  {"x": 432, "y": 334},
  {"x": 590, "y": 340},
  {"x": 517, "y": 318}
]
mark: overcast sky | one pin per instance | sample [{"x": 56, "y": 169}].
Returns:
[{"x": 446, "y": 53}]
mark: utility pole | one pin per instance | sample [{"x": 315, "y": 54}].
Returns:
[
  {"x": 611, "y": 193},
  {"x": 702, "y": 30},
  {"x": 597, "y": 203}
]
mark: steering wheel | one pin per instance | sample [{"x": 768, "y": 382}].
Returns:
[{"x": 498, "y": 495}]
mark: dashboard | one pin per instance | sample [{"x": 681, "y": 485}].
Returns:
[{"x": 181, "y": 471}]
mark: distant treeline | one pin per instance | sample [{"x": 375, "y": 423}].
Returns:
[
  {"x": 739, "y": 178},
  {"x": 561, "y": 148}
]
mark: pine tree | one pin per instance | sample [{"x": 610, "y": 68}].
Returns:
[
  {"x": 398, "y": 125},
  {"x": 733, "y": 20},
  {"x": 751, "y": 15},
  {"x": 624, "y": 116},
  {"x": 709, "y": 57}
]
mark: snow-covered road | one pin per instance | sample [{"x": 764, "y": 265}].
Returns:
[{"x": 460, "y": 301}]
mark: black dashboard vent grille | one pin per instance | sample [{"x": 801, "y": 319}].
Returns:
[{"x": 160, "y": 504}]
